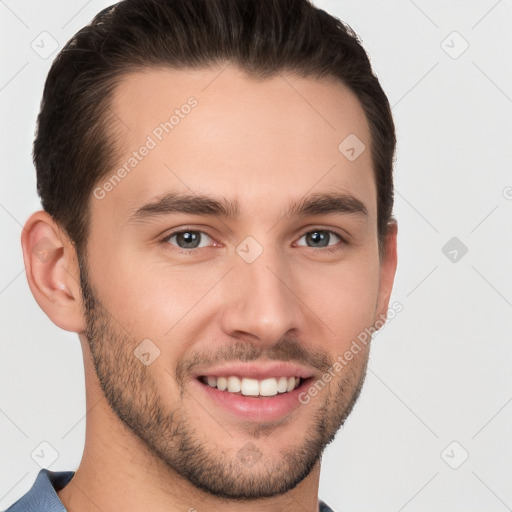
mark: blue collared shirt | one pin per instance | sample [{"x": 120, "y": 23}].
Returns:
[{"x": 42, "y": 496}]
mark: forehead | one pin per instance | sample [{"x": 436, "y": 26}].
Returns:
[{"x": 218, "y": 131}]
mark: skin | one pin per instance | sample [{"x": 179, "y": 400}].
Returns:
[{"x": 259, "y": 143}]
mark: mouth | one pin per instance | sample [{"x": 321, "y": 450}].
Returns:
[{"x": 253, "y": 392}]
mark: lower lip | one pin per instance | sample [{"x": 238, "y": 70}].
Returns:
[{"x": 255, "y": 408}]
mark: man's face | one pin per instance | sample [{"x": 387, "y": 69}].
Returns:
[{"x": 259, "y": 279}]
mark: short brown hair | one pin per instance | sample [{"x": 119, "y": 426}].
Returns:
[{"x": 72, "y": 149}]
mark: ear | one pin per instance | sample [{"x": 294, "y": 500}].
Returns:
[
  {"x": 388, "y": 262},
  {"x": 52, "y": 271}
]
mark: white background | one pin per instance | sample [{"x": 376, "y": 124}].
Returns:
[{"x": 439, "y": 372}]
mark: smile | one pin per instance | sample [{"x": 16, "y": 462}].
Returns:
[{"x": 253, "y": 387}]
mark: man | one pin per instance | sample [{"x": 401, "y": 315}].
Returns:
[{"x": 216, "y": 178}]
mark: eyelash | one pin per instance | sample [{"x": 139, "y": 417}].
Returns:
[{"x": 165, "y": 240}]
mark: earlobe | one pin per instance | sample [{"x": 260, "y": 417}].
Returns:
[
  {"x": 52, "y": 271},
  {"x": 388, "y": 265}
]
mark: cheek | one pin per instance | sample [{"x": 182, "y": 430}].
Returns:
[
  {"x": 132, "y": 297},
  {"x": 343, "y": 297},
  {"x": 154, "y": 299}
]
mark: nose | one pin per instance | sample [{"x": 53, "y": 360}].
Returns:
[{"x": 260, "y": 302}]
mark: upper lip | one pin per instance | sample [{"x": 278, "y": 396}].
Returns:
[{"x": 257, "y": 370}]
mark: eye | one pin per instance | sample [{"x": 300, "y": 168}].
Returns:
[
  {"x": 319, "y": 238},
  {"x": 189, "y": 239},
  {"x": 194, "y": 239}
]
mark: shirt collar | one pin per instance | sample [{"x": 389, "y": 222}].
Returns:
[{"x": 42, "y": 496}]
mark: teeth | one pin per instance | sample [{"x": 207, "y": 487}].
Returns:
[
  {"x": 222, "y": 383},
  {"x": 250, "y": 387},
  {"x": 268, "y": 387},
  {"x": 282, "y": 385},
  {"x": 254, "y": 387},
  {"x": 234, "y": 384}
]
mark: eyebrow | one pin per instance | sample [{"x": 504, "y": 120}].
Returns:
[{"x": 315, "y": 204}]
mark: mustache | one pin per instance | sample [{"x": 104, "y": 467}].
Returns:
[{"x": 285, "y": 350}]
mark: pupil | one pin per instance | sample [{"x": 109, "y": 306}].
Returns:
[{"x": 318, "y": 238}]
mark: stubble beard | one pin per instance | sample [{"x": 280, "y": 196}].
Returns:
[{"x": 133, "y": 395}]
